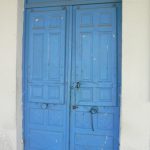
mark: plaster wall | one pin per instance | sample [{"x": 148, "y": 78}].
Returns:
[
  {"x": 135, "y": 109},
  {"x": 11, "y": 17},
  {"x": 135, "y": 105}
]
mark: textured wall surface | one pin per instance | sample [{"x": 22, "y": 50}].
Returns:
[
  {"x": 20, "y": 18},
  {"x": 10, "y": 43},
  {"x": 8, "y": 40},
  {"x": 135, "y": 110}
]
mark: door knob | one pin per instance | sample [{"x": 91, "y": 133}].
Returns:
[
  {"x": 44, "y": 106},
  {"x": 94, "y": 110}
]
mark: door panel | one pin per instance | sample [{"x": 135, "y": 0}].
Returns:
[
  {"x": 96, "y": 56},
  {"x": 94, "y": 115},
  {"x": 104, "y": 133},
  {"x": 47, "y": 57},
  {"x": 45, "y": 105}
]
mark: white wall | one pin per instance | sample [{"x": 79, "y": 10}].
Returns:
[
  {"x": 20, "y": 18},
  {"x": 135, "y": 111},
  {"x": 10, "y": 41},
  {"x": 8, "y": 23},
  {"x": 135, "y": 117}
]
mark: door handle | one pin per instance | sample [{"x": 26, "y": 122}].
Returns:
[
  {"x": 74, "y": 107},
  {"x": 93, "y": 110},
  {"x": 78, "y": 85},
  {"x": 44, "y": 105}
]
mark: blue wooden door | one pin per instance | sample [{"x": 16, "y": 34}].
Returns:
[
  {"x": 46, "y": 121},
  {"x": 70, "y": 89},
  {"x": 94, "y": 115}
]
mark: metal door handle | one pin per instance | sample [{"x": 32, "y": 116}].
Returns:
[
  {"x": 93, "y": 110},
  {"x": 74, "y": 107},
  {"x": 77, "y": 85},
  {"x": 44, "y": 106}
]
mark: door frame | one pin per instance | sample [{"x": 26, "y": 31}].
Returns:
[
  {"x": 68, "y": 49},
  {"x": 28, "y": 4}
]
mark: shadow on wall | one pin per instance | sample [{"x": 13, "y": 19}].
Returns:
[{"x": 5, "y": 142}]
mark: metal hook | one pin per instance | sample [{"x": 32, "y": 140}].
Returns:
[
  {"x": 78, "y": 85},
  {"x": 93, "y": 110},
  {"x": 44, "y": 106}
]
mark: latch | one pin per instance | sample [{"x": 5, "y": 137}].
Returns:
[
  {"x": 76, "y": 85},
  {"x": 74, "y": 107},
  {"x": 93, "y": 110}
]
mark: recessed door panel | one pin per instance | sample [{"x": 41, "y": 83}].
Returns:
[
  {"x": 46, "y": 68},
  {"x": 96, "y": 56}
]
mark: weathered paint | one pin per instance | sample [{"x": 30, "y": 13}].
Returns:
[
  {"x": 46, "y": 72},
  {"x": 135, "y": 125}
]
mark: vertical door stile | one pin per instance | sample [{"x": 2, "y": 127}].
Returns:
[
  {"x": 72, "y": 87},
  {"x": 68, "y": 70}
]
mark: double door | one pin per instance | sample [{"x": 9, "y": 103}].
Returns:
[{"x": 71, "y": 78}]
